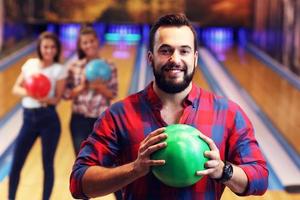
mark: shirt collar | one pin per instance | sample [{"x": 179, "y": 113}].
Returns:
[
  {"x": 156, "y": 103},
  {"x": 192, "y": 97},
  {"x": 152, "y": 97}
]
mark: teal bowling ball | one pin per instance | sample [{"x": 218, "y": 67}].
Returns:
[
  {"x": 97, "y": 69},
  {"x": 184, "y": 155}
]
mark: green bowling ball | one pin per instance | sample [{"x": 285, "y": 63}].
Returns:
[{"x": 184, "y": 155}]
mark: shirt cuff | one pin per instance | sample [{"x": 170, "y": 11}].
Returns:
[
  {"x": 257, "y": 179},
  {"x": 76, "y": 183}
]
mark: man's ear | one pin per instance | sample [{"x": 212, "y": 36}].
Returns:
[
  {"x": 150, "y": 56},
  {"x": 196, "y": 58}
]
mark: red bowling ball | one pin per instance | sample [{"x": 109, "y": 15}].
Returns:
[{"x": 37, "y": 85}]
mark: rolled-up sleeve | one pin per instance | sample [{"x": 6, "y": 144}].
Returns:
[
  {"x": 99, "y": 149},
  {"x": 257, "y": 178},
  {"x": 244, "y": 151},
  {"x": 75, "y": 181}
]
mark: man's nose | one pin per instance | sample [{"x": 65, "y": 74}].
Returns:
[{"x": 175, "y": 57}]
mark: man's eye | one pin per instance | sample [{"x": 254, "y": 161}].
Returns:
[
  {"x": 165, "y": 51},
  {"x": 184, "y": 52}
]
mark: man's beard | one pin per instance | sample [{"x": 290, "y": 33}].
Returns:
[{"x": 170, "y": 86}]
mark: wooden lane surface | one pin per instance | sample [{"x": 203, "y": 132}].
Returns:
[
  {"x": 31, "y": 181},
  {"x": 269, "y": 195},
  {"x": 200, "y": 80},
  {"x": 7, "y": 80},
  {"x": 277, "y": 98}
]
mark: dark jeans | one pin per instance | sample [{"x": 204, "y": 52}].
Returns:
[
  {"x": 43, "y": 122},
  {"x": 81, "y": 127}
]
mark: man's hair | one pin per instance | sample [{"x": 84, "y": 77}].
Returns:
[
  {"x": 169, "y": 21},
  {"x": 85, "y": 29},
  {"x": 51, "y": 36}
]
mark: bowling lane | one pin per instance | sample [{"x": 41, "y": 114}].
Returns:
[
  {"x": 269, "y": 195},
  {"x": 273, "y": 192},
  {"x": 7, "y": 79},
  {"x": 275, "y": 95},
  {"x": 200, "y": 80}
]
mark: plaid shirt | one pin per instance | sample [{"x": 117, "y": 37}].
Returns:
[
  {"x": 119, "y": 131},
  {"x": 89, "y": 102}
]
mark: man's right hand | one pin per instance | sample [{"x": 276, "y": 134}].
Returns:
[
  {"x": 99, "y": 180},
  {"x": 149, "y": 145}
]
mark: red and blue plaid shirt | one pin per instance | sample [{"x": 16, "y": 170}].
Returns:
[{"x": 120, "y": 129}]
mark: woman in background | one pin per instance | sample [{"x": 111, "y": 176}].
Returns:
[
  {"x": 40, "y": 118},
  {"x": 90, "y": 98}
]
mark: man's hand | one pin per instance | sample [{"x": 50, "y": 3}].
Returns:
[
  {"x": 149, "y": 145},
  {"x": 214, "y": 166}
]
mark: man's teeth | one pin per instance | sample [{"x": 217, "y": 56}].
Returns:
[{"x": 174, "y": 70}]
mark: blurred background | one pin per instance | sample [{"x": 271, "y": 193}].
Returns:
[
  {"x": 273, "y": 26},
  {"x": 249, "y": 52}
]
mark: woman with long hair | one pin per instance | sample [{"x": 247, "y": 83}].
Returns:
[{"x": 40, "y": 118}]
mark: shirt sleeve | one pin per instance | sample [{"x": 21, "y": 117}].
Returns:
[
  {"x": 31, "y": 66},
  {"x": 25, "y": 66},
  {"x": 100, "y": 148},
  {"x": 244, "y": 151},
  {"x": 61, "y": 72}
]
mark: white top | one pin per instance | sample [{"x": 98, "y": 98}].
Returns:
[{"x": 53, "y": 72}]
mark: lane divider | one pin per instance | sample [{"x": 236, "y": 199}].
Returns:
[
  {"x": 274, "y": 182},
  {"x": 9, "y": 60},
  {"x": 291, "y": 151},
  {"x": 277, "y": 67}
]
